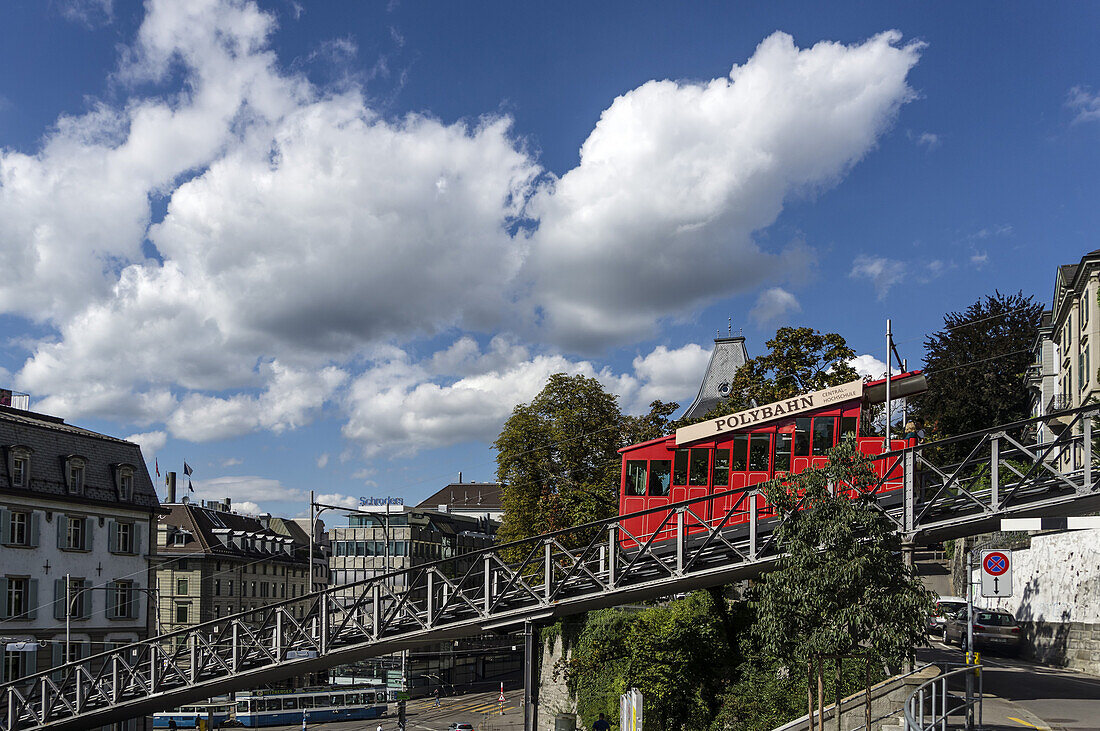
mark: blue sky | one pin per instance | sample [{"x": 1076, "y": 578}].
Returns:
[{"x": 330, "y": 245}]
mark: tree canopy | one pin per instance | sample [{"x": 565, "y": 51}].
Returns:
[
  {"x": 558, "y": 459},
  {"x": 976, "y": 366},
  {"x": 799, "y": 360},
  {"x": 842, "y": 584}
]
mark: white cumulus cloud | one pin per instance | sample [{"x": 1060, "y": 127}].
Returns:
[
  {"x": 883, "y": 272},
  {"x": 774, "y": 304}
]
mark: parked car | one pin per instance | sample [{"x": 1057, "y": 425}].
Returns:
[
  {"x": 992, "y": 629},
  {"x": 945, "y": 605}
]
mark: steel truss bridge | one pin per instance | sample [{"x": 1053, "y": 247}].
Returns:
[{"x": 1005, "y": 474}]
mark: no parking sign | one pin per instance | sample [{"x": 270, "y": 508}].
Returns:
[{"x": 996, "y": 571}]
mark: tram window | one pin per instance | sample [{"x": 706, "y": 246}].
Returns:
[
  {"x": 337, "y": 700},
  {"x": 680, "y": 473},
  {"x": 783, "y": 451},
  {"x": 700, "y": 467},
  {"x": 802, "y": 437},
  {"x": 305, "y": 701},
  {"x": 721, "y": 467},
  {"x": 759, "y": 448},
  {"x": 290, "y": 704},
  {"x": 847, "y": 426},
  {"x": 635, "y": 477},
  {"x": 823, "y": 435},
  {"x": 740, "y": 452},
  {"x": 242, "y": 707},
  {"x": 660, "y": 473}
]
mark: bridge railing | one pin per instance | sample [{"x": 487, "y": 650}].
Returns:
[{"x": 704, "y": 541}]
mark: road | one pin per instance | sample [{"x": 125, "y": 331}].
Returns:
[
  {"x": 1026, "y": 695},
  {"x": 481, "y": 710}
]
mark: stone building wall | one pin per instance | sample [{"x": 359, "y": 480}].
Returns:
[
  {"x": 554, "y": 696},
  {"x": 1056, "y": 598}
]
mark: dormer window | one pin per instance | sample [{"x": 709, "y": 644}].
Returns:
[
  {"x": 124, "y": 482},
  {"x": 19, "y": 466},
  {"x": 74, "y": 475}
]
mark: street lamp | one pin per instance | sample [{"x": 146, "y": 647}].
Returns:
[{"x": 71, "y": 597}]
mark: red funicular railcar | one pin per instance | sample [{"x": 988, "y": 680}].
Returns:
[{"x": 744, "y": 449}]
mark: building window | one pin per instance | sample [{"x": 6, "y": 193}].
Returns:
[
  {"x": 179, "y": 538},
  {"x": 125, "y": 484},
  {"x": 124, "y": 535},
  {"x": 76, "y": 538},
  {"x": 74, "y": 474},
  {"x": 253, "y": 588},
  {"x": 17, "y": 598},
  {"x": 181, "y": 587},
  {"x": 217, "y": 611},
  {"x": 121, "y": 600},
  {"x": 20, "y": 529},
  {"x": 229, "y": 588},
  {"x": 20, "y": 465},
  {"x": 217, "y": 587},
  {"x": 183, "y": 611}
]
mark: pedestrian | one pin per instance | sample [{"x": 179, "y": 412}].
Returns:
[
  {"x": 601, "y": 725},
  {"x": 171, "y": 724},
  {"x": 379, "y": 727},
  {"x": 437, "y": 697}
]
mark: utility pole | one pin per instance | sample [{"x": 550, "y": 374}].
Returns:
[
  {"x": 889, "y": 410},
  {"x": 528, "y": 677}
]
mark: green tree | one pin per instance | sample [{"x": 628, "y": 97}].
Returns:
[
  {"x": 976, "y": 366},
  {"x": 842, "y": 585},
  {"x": 558, "y": 455},
  {"x": 799, "y": 360}
]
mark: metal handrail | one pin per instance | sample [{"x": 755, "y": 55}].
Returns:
[{"x": 937, "y": 702}]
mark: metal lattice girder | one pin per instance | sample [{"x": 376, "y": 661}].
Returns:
[{"x": 696, "y": 543}]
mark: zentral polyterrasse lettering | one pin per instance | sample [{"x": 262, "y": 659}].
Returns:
[{"x": 769, "y": 412}]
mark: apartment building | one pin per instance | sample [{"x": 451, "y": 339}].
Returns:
[{"x": 77, "y": 509}]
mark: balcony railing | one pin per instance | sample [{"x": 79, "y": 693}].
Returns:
[{"x": 1059, "y": 402}]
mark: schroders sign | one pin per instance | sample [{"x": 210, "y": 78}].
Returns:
[
  {"x": 770, "y": 412},
  {"x": 365, "y": 502}
]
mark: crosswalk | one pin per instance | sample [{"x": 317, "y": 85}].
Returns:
[{"x": 472, "y": 709}]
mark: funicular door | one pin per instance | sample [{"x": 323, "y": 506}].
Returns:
[
  {"x": 635, "y": 478},
  {"x": 738, "y": 480},
  {"x": 695, "y": 485},
  {"x": 760, "y": 461}
]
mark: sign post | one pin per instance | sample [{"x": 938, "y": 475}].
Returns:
[
  {"x": 996, "y": 572},
  {"x": 502, "y": 699}
]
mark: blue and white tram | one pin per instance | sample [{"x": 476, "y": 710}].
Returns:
[
  {"x": 188, "y": 716},
  {"x": 284, "y": 707}
]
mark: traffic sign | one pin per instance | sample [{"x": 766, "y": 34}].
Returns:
[{"x": 996, "y": 571}]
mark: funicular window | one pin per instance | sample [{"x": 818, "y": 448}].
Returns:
[
  {"x": 660, "y": 475},
  {"x": 783, "y": 451},
  {"x": 680, "y": 471},
  {"x": 759, "y": 451},
  {"x": 823, "y": 435},
  {"x": 740, "y": 452},
  {"x": 802, "y": 437},
  {"x": 635, "y": 477},
  {"x": 721, "y": 467},
  {"x": 847, "y": 426},
  {"x": 700, "y": 467}
]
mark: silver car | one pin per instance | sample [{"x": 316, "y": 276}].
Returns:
[
  {"x": 945, "y": 606},
  {"x": 992, "y": 629}
]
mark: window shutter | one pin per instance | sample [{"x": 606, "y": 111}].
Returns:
[
  {"x": 86, "y": 599},
  {"x": 88, "y": 533},
  {"x": 3, "y": 598},
  {"x": 137, "y": 539},
  {"x": 112, "y": 536},
  {"x": 135, "y": 610},
  {"x": 56, "y": 652},
  {"x": 62, "y": 522},
  {"x": 33, "y": 528},
  {"x": 32, "y": 599},
  {"x": 59, "y": 599},
  {"x": 5, "y": 526},
  {"x": 29, "y": 662}
]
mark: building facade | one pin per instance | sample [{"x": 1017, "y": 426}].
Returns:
[
  {"x": 1072, "y": 331},
  {"x": 214, "y": 563},
  {"x": 384, "y": 539},
  {"x": 77, "y": 509}
]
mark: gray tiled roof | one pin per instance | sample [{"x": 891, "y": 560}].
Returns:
[
  {"x": 728, "y": 356},
  {"x": 465, "y": 496},
  {"x": 200, "y": 523},
  {"x": 52, "y": 440}
]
